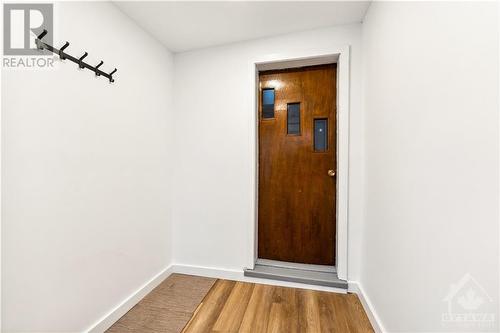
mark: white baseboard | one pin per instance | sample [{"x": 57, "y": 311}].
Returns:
[
  {"x": 218, "y": 273},
  {"x": 110, "y": 318},
  {"x": 237, "y": 275},
  {"x": 356, "y": 287}
]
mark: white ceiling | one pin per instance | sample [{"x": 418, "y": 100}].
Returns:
[{"x": 183, "y": 26}]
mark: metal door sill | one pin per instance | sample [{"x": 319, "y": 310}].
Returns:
[{"x": 294, "y": 274}]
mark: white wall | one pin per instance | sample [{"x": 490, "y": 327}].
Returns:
[
  {"x": 431, "y": 104},
  {"x": 215, "y": 135},
  {"x": 86, "y": 175}
]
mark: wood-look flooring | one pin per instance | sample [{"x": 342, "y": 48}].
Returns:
[
  {"x": 200, "y": 304},
  {"x": 167, "y": 308},
  {"x": 247, "y": 307}
]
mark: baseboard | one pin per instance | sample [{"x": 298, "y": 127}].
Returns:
[
  {"x": 110, "y": 318},
  {"x": 237, "y": 275},
  {"x": 356, "y": 287}
]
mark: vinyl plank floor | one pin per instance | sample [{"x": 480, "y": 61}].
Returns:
[
  {"x": 194, "y": 304},
  {"x": 233, "y": 306}
]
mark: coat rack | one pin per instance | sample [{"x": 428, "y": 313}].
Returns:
[{"x": 79, "y": 61}]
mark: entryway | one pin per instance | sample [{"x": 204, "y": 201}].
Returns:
[{"x": 297, "y": 168}]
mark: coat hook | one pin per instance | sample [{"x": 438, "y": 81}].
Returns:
[
  {"x": 65, "y": 56},
  {"x": 44, "y": 32},
  {"x": 81, "y": 60},
  {"x": 97, "y": 68},
  {"x": 111, "y": 76},
  {"x": 61, "y": 51},
  {"x": 38, "y": 41}
]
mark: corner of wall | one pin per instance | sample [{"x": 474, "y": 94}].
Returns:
[
  {"x": 128, "y": 303},
  {"x": 357, "y": 288}
]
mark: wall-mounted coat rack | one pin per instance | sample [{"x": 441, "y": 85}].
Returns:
[{"x": 79, "y": 61}]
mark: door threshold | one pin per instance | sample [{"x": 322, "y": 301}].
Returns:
[
  {"x": 293, "y": 265},
  {"x": 318, "y": 278}
]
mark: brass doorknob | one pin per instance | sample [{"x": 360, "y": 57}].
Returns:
[{"x": 331, "y": 173}]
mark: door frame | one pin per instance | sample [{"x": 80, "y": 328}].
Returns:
[{"x": 340, "y": 56}]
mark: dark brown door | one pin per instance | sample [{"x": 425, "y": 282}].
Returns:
[{"x": 297, "y": 162}]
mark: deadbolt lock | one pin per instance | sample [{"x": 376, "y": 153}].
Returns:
[{"x": 331, "y": 173}]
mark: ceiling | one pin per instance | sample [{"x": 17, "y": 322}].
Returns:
[{"x": 184, "y": 26}]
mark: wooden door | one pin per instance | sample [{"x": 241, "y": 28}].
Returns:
[{"x": 297, "y": 162}]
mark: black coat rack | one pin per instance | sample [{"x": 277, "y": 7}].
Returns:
[{"x": 79, "y": 61}]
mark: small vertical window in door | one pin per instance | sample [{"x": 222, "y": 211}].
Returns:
[
  {"x": 267, "y": 103},
  {"x": 320, "y": 135},
  {"x": 293, "y": 119}
]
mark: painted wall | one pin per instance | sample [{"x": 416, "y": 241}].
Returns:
[
  {"x": 215, "y": 135},
  {"x": 86, "y": 175},
  {"x": 431, "y": 104}
]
